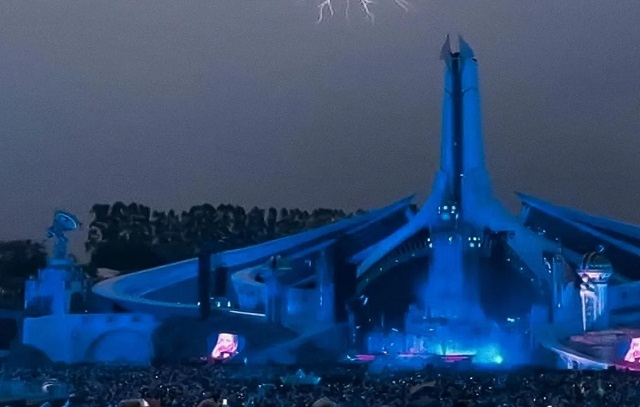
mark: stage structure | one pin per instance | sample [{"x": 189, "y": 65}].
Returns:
[
  {"x": 479, "y": 282},
  {"x": 57, "y": 318}
]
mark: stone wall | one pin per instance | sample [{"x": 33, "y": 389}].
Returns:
[{"x": 87, "y": 338}]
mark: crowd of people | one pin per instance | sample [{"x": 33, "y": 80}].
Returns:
[{"x": 346, "y": 386}]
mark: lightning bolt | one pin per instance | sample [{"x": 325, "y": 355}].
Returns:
[
  {"x": 365, "y": 7},
  {"x": 403, "y": 4},
  {"x": 326, "y": 7}
]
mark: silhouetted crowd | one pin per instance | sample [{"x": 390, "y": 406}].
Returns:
[{"x": 344, "y": 386}]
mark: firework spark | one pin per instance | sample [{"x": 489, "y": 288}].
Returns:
[{"x": 326, "y": 8}]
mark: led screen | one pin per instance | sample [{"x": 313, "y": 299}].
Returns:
[
  {"x": 633, "y": 352},
  {"x": 225, "y": 346}
]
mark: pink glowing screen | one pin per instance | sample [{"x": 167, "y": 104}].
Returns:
[
  {"x": 633, "y": 353},
  {"x": 225, "y": 347}
]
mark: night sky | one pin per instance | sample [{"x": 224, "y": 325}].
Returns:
[{"x": 176, "y": 103}]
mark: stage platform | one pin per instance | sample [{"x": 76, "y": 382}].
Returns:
[{"x": 610, "y": 348}]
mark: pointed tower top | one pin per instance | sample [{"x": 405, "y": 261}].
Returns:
[
  {"x": 445, "y": 52},
  {"x": 465, "y": 49}
]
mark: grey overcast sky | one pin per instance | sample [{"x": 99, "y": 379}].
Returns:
[{"x": 176, "y": 103}]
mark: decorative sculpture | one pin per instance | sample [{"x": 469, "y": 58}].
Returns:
[
  {"x": 62, "y": 222},
  {"x": 589, "y": 299},
  {"x": 595, "y": 272}
]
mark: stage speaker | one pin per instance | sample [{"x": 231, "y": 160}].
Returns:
[
  {"x": 8, "y": 332},
  {"x": 204, "y": 284},
  {"x": 345, "y": 289},
  {"x": 220, "y": 282}
]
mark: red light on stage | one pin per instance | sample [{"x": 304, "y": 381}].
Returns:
[{"x": 455, "y": 358}]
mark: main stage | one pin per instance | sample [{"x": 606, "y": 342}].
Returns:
[{"x": 460, "y": 279}]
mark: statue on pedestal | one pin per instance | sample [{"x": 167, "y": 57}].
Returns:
[{"x": 62, "y": 222}]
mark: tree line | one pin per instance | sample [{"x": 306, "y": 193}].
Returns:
[
  {"x": 19, "y": 259},
  {"x": 132, "y": 237}
]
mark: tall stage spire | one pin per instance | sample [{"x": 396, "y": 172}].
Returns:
[{"x": 461, "y": 200}]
